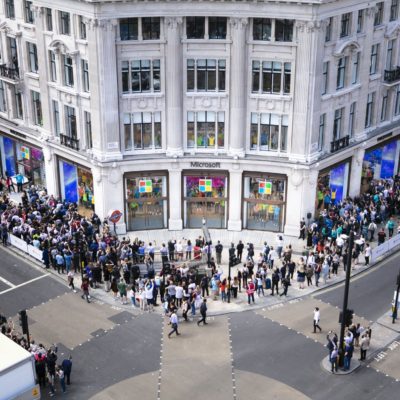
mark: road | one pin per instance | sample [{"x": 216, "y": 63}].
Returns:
[{"x": 257, "y": 354}]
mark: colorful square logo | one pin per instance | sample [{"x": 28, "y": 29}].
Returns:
[
  {"x": 205, "y": 185},
  {"x": 265, "y": 187},
  {"x": 25, "y": 154},
  {"x": 145, "y": 186}
]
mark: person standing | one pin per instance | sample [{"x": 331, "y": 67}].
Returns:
[
  {"x": 122, "y": 291},
  {"x": 250, "y": 291},
  {"x": 61, "y": 377},
  {"x": 203, "y": 312},
  {"x": 20, "y": 180},
  {"x": 218, "y": 252},
  {"x": 275, "y": 282},
  {"x": 317, "y": 316},
  {"x": 85, "y": 289},
  {"x": 10, "y": 184},
  {"x": 367, "y": 254},
  {"x": 302, "y": 229},
  {"x": 70, "y": 276},
  {"x": 204, "y": 286},
  {"x": 333, "y": 358},
  {"x": 239, "y": 249},
  {"x": 173, "y": 321},
  {"x": 285, "y": 284},
  {"x": 381, "y": 236},
  {"x": 67, "y": 368},
  {"x": 364, "y": 346}
]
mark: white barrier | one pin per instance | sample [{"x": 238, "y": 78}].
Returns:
[
  {"x": 381, "y": 250},
  {"x": 35, "y": 252},
  {"x": 19, "y": 243}
]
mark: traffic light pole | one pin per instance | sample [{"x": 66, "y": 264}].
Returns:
[
  {"x": 345, "y": 298},
  {"x": 394, "y": 316}
]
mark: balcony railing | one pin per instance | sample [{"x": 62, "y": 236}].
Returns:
[
  {"x": 70, "y": 142},
  {"x": 10, "y": 73},
  {"x": 392, "y": 75},
  {"x": 340, "y": 144}
]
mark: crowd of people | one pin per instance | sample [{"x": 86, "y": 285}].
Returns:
[{"x": 49, "y": 373}]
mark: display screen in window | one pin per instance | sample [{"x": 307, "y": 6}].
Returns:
[
  {"x": 144, "y": 187},
  {"x": 267, "y": 189},
  {"x": 202, "y": 186}
]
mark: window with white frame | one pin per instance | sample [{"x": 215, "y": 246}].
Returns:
[
  {"x": 19, "y": 109},
  {"x": 10, "y": 9},
  {"x": 217, "y": 27},
  {"x": 394, "y": 10},
  {"x": 328, "y": 30},
  {"x": 338, "y": 123},
  {"x": 397, "y": 102},
  {"x": 53, "y": 66},
  {"x": 355, "y": 67},
  {"x": 262, "y": 29},
  {"x": 321, "y": 132},
  {"x": 142, "y": 131},
  {"x": 341, "y": 73},
  {"x": 390, "y": 53},
  {"x": 88, "y": 129},
  {"x": 129, "y": 28},
  {"x": 271, "y": 77},
  {"x": 3, "y": 102},
  {"x": 56, "y": 117},
  {"x": 82, "y": 28},
  {"x": 373, "y": 68},
  {"x": 384, "y": 106},
  {"x": 85, "y": 76},
  {"x": 352, "y": 116},
  {"x": 36, "y": 108},
  {"x": 325, "y": 77},
  {"x": 70, "y": 122},
  {"x": 284, "y": 30},
  {"x": 28, "y": 12},
  {"x": 32, "y": 57},
  {"x": 151, "y": 28},
  {"x": 205, "y": 130},
  {"x": 268, "y": 132},
  {"x": 49, "y": 19},
  {"x": 345, "y": 25},
  {"x": 195, "y": 27},
  {"x": 378, "y": 18},
  {"x": 205, "y": 75},
  {"x": 65, "y": 23},
  {"x": 369, "y": 113},
  {"x": 141, "y": 76},
  {"x": 360, "y": 21},
  {"x": 68, "y": 70}
]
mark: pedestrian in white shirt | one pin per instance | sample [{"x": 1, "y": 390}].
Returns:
[
  {"x": 367, "y": 254},
  {"x": 173, "y": 321},
  {"x": 317, "y": 317}
]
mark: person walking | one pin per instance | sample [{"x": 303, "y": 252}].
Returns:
[
  {"x": 61, "y": 377},
  {"x": 67, "y": 368},
  {"x": 285, "y": 284},
  {"x": 364, "y": 346},
  {"x": 203, "y": 312},
  {"x": 317, "y": 316},
  {"x": 70, "y": 276},
  {"x": 85, "y": 289},
  {"x": 173, "y": 321}
]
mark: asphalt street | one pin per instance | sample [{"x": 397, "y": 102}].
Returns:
[{"x": 256, "y": 354}]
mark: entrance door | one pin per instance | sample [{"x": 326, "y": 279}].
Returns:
[
  {"x": 212, "y": 210},
  {"x": 146, "y": 215}
]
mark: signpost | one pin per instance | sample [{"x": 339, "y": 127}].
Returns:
[{"x": 114, "y": 216}]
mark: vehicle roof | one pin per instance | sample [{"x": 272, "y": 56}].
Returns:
[{"x": 11, "y": 353}]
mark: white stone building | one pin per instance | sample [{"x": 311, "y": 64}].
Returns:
[{"x": 171, "y": 111}]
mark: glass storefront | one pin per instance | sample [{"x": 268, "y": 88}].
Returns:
[
  {"x": 264, "y": 202},
  {"x": 205, "y": 196},
  {"x": 380, "y": 162},
  {"x": 76, "y": 183},
  {"x": 332, "y": 185},
  {"x": 146, "y": 201},
  {"x": 19, "y": 157}
]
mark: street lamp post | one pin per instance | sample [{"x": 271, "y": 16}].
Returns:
[
  {"x": 394, "y": 316},
  {"x": 345, "y": 297}
]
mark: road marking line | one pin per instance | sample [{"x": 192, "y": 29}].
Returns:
[
  {"x": 23, "y": 284},
  {"x": 8, "y": 283}
]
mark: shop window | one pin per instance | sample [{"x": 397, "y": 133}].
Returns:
[
  {"x": 10, "y": 9},
  {"x": 373, "y": 68},
  {"x": 49, "y": 19},
  {"x": 338, "y": 123},
  {"x": 341, "y": 73},
  {"x": 32, "y": 57},
  {"x": 146, "y": 201},
  {"x": 56, "y": 117},
  {"x": 151, "y": 28},
  {"x": 328, "y": 30},
  {"x": 28, "y": 12},
  {"x": 205, "y": 75},
  {"x": 394, "y": 10},
  {"x": 345, "y": 25},
  {"x": 264, "y": 202},
  {"x": 378, "y": 18},
  {"x": 268, "y": 132},
  {"x": 30, "y": 163},
  {"x": 205, "y": 129},
  {"x": 369, "y": 110},
  {"x": 3, "y": 103},
  {"x": 85, "y": 76},
  {"x": 360, "y": 21},
  {"x": 142, "y": 131},
  {"x": 88, "y": 129},
  {"x": 128, "y": 29},
  {"x": 284, "y": 30},
  {"x": 82, "y": 28},
  {"x": 65, "y": 23},
  {"x": 195, "y": 27},
  {"x": 53, "y": 66},
  {"x": 68, "y": 71},
  {"x": 70, "y": 122},
  {"x": 36, "y": 108},
  {"x": 271, "y": 77},
  {"x": 217, "y": 27},
  {"x": 262, "y": 29},
  {"x": 141, "y": 76}
]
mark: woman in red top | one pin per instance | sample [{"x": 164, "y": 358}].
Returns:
[{"x": 251, "y": 287}]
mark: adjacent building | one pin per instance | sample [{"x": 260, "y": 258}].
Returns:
[{"x": 245, "y": 113}]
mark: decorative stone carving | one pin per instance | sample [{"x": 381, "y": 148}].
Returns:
[
  {"x": 347, "y": 48},
  {"x": 173, "y": 22},
  {"x": 238, "y": 23},
  {"x": 115, "y": 175},
  {"x": 392, "y": 29},
  {"x": 296, "y": 178}
]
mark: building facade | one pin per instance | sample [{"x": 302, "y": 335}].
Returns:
[{"x": 244, "y": 113}]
